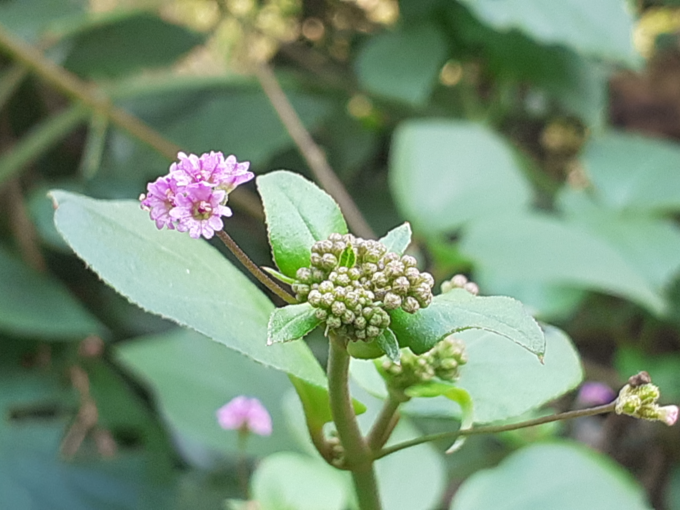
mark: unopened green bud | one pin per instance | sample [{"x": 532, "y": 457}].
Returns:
[
  {"x": 327, "y": 300},
  {"x": 314, "y": 298},
  {"x": 338, "y": 308},
  {"x": 328, "y": 261},
  {"x": 401, "y": 286},
  {"x": 392, "y": 301},
  {"x": 326, "y": 286},
  {"x": 315, "y": 259},
  {"x": 409, "y": 261},
  {"x": 394, "y": 269},
  {"x": 321, "y": 314},
  {"x": 304, "y": 275},
  {"x": 372, "y": 331},
  {"x": 410, "y": 305}
]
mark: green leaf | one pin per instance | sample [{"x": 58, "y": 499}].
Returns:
[
  {"x": 540, "y": 248},
  {"x": 291, "y": 322},
  {"x": 191, "y": 377},
  {"x": 572, "y": 23},
  {"x": 649, "y": 244},
  {"x": 126, "y": 42},
  {"x": 457, "y": 310},
  {"x": 389, "y": 345},
  {"x": 398, "y": 239},
  {"x": 280, "y": 276},
  {"x": 298, "y": 214},
  {"x": 34, "y": 305},
  {"x": 634, "y": 172},
  {"x": 347, "y": 258},
  {"x": 403, "y": 64},
  {"x": 172, "y": 275},
  {"x": 518, "y": 382},
  {"x": 445, "y": 173},
  {"x": 560, "y": 476},
  {"x": 288, "y": 481}
]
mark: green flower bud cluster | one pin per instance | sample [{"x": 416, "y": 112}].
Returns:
[
  {"x": 353, "y": 283},
  {"x": 460, "y": 281},
  {"x": 442, "y": 362},
  {"x": 639, "y": 399}
]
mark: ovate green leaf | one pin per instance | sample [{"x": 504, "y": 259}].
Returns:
[
  {"x": 445, "y": 173},
  {"x": 170, "y": 274},
  {"x": 458, "y": 310},
  {"x": 291, "y": 322},
  {"x": 398, "y": 239},
  {"x": 559, "y": 476},
  {"x": 298, "y": 214}
]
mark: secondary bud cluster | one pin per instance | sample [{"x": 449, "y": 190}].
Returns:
[
  {"x": 442, "y": 362},
  {"x": 353, "y": 282},
  {"x": 639, "y": 399},
  {"x": 460, "y": 281}
]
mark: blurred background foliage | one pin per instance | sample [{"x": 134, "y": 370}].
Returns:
[{"x": 532, "y": 144}]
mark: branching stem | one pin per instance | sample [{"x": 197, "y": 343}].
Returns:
[{"x": 495, "y": 429}]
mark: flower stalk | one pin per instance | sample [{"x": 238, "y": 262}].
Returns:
[{"x": 358, "y": 457}]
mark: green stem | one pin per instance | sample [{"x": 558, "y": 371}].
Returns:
[
  {"x": 495, "y": 429},
  {"x": 254, "y": 269},
  {"x": 358, "y": 456},
  {"x": 384, "y": 424}
]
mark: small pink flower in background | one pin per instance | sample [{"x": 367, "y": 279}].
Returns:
[
  {"x": 668, "y": 414},
  {"x": 247, "y": 414},
  {"x": 193, "y": 195},
  {"x": 595, "y": 394}
]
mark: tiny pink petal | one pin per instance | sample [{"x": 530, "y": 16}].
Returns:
[
  {"x": 160, "y": 200},
  {"x": 243, "y": 413},
  {"x": 668, "y": 414}
]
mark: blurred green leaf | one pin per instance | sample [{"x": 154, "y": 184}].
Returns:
[
  {"x": 172, "y": 275},
  {"x": 559, "y": 476},
  {"x": 33, "y": 304},
  {"x": 633, "y": 172},
  {"x": 444, "y": 173},
  {"x": 192, "y": 377},
  {"x": 298, "y": 214},
  {"x": 458, "y": 310},
  {"x": 572, "y": 23},
  {"x": 540, "y": 248},
  {"x": 649, "y": 244},
  {"x": 397, "y": 239},
  {"x": 291, "y": 322},
  {"x": 403, "y": 64},
  {"x": 519, "y": 382},
  {"x": 29, "y": 18},
  {"x": 389, "y": 345},
  {"x": 289, "y": 481},
  {"x": 128, "y": 42}
]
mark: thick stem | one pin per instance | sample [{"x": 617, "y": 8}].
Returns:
[
  {"x": 358, "y": 456},
  {"x": 495, "y": 429},
  {"x": 253, "y": 268}
]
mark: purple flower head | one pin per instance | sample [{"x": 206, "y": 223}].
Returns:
[
  {"x": 160, "y": 200},
  {"x": 246, "y": 414},
  {"x": 595, "y": 394},
  {"x": 199, "y": 210},
  {"x": 208, "y": 168}
]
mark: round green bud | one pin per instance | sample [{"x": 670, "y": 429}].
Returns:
[
  {"x": 333, "y": 322},
  {"x": 360, "y": 322},
  {"x": 321, "y": 314},
  {"x": 401, "y": 286},
  {"x": 326, "y": 287},
  {"x": 327, "y": 300},
  {"x": 391, "y": 301},
  {"x": 410, "y": 305},
  {"x": 304, "y": 275},
  {"x": 372, "y": 331},
  {"x": 348, "y": 317},
  {"x": 338, "y": 308},
  {"x": 354, "y": 273},
  {"x": 315, "y": 259},
  {"x": 394, "y": 269},
  {"x": 314, "y": 298},
  {"x": 328, "y": 261},
  {"x": 409, "y": 261}
]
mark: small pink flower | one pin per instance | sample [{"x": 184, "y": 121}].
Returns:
[
  {"x": 237, "y": 173},
  {"x": 246, "y": 414},
  {"x": 199, "y": 210},
  {"x": 668, "y": 414},
  {"x": 595, "y": 394},
  {"x": 208, "y": 168},
  {"x": 160, "y": 200}
]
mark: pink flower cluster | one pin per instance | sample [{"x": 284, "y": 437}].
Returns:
[
  {"x": 192, "y": 197},
  {"x": 246, "y": 414}
]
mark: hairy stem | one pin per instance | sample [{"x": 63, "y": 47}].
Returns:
[
  {"x": 311, "y": 152},
  {"x": 254, "y": 268},
  {"x": 358, "y": 456},
  {"x": 495, "y": 429}
]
